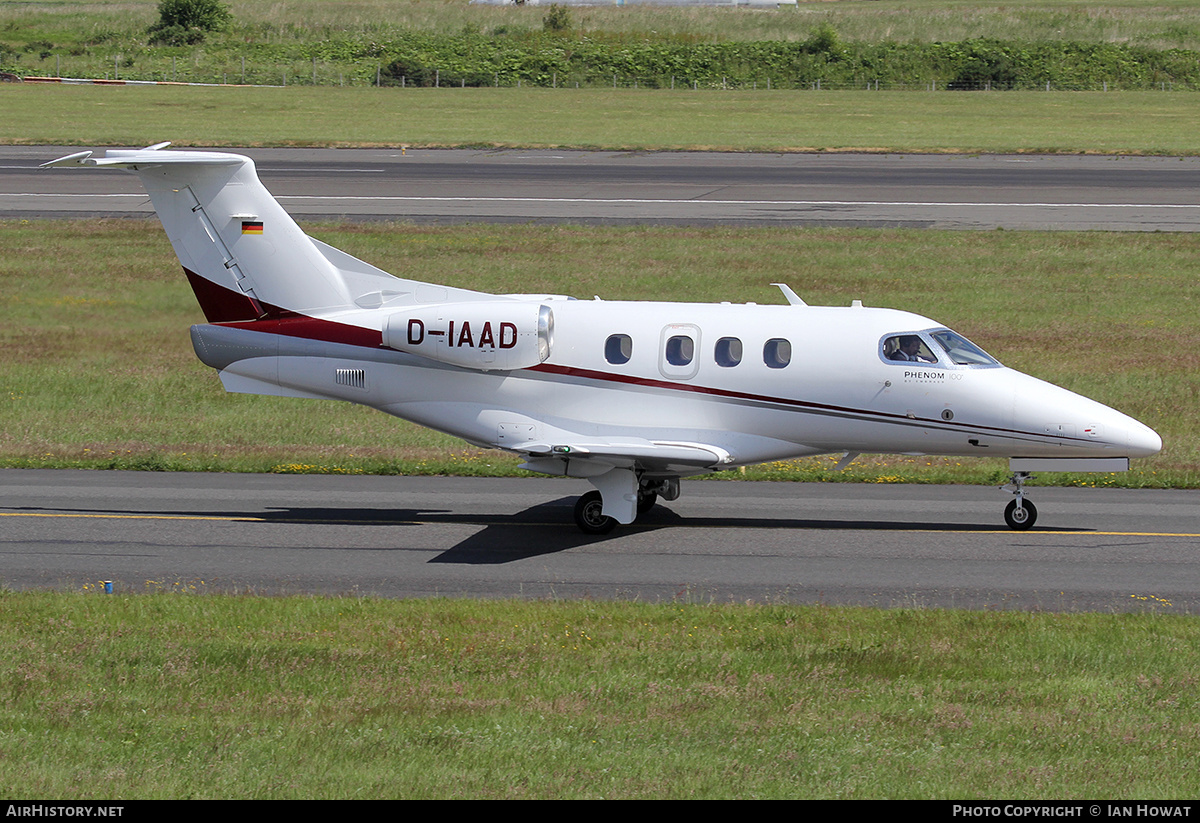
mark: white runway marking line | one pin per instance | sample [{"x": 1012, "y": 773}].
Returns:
[
  {"x": 679, "y": 202},
  {"x": 661, "y": 202},
  {"x": 48, "y": 194}
]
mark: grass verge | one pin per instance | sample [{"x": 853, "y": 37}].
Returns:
[
  {"x": 176, "y": 696},
  {"x": 621, "y": 119}
]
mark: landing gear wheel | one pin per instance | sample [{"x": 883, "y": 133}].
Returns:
[
  {"x": 589, "y": 514},
  {"x": 646, "y": 501},
  {"x": 1020, "y": 519}
]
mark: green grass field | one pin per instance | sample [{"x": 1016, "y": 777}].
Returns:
[
  {"x": 178, "y": 696},
  {"x": 1009, "y": 122}
]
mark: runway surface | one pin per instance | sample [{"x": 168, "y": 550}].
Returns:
[
  {"x": 722, "y": 541},
  {"x": 685, "y": 188}
]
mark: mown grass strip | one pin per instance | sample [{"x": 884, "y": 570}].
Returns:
[
  {"x": 623, "y": 119},
  {"x": 172, "y": 695}
]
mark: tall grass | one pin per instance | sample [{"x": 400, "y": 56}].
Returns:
[
  {"x": 330, "y": 43},
  {"x": 1151, "y": 23}
]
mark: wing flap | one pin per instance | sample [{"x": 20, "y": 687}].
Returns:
[{"x": 586, "y": 459}]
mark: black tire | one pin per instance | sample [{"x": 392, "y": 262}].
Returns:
[
  {"x": 1020, "y": 519},
  {"x": 646, "y": 501},
  {"x": 589, "y": 516}
]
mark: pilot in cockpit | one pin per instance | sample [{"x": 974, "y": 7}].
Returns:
[{"x": 909, "y": 349}]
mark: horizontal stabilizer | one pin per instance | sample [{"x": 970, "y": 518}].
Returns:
[
  {"x": 79, "y": 158},
  {"x": 144, "y": 158}
]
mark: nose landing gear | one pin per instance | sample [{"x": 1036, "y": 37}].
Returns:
[{"x": 1020, "y": 514}]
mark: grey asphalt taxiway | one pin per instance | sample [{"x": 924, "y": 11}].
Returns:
[
  {"x": 1092, "y": 549},
  {"x": 692, "y": 188}
]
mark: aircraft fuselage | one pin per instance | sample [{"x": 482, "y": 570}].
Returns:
[{"x": 834, "y": 391}]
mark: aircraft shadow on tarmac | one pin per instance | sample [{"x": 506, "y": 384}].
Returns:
[
  {"x": 545, "y": 528},
  {"x": 509, "y": 538}
]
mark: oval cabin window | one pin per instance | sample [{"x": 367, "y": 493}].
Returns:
[
  {"x": 680, "y": 350},
  {"x": 618, "y": 348},
  {"x": 777, "y": 353},
  {"x": 728, "y": 352}
]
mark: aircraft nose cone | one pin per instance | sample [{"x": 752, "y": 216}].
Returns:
[{"x": 1143, "y": 441}]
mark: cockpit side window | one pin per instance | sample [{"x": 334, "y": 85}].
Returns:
[{"x": 908, "y": 348}]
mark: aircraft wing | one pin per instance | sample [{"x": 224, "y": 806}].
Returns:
[{"x": 586, "y": 459}]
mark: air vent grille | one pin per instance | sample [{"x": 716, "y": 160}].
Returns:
[{"x": 355, "y": 378}]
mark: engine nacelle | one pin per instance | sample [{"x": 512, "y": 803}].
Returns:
[{"x": 491, "y": 336}]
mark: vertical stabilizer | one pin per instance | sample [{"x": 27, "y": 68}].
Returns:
[{"x": 244, "y": 255}]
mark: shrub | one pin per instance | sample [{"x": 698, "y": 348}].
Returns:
[
  {"x": 411, "y": 71},
  {"x": 988, "y": 65},
  {"x": 557, "y": 19},
  {"x": 825, "y": 40},
  {"x": 993, "y": 71},
  {"x": 184, "y": 22}
]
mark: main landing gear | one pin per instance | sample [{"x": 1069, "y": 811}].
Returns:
[
  {"x": 1020, "y": 514},
  {"x": 590, "y": 516},
  {"x": 589, "y": 508}
]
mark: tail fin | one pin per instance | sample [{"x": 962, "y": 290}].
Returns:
[{"x": 245, "y": 257}]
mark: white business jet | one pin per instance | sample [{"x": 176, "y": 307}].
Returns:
[{"x": 632, "y": 396}]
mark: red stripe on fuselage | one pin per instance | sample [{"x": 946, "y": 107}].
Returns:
[
  {"x": 589, "y": 374},
  {"x": 219, "y": 304},
  {"x": 312, "y": 328},
  {"x": 224, "y": 307},
  {"x": 802, "y": 405}
]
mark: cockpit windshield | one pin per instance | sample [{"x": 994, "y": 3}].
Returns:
[
  {"x": 962, "y": 351},
  {"x": 940, "y": 347}
]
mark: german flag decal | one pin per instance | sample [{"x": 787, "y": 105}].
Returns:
[{"x": 252, "y": 227}]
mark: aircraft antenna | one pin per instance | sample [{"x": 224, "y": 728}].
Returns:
[{"x": 792, "y": 298}]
